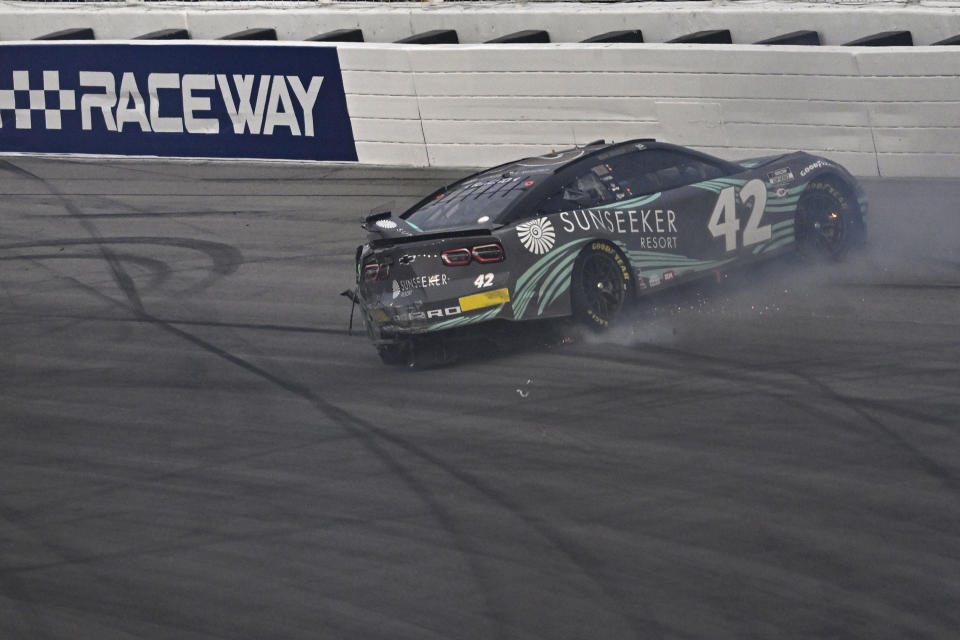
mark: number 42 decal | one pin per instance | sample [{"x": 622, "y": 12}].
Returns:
[
  {"x": 724, "y": 221},
  {"x": 483, "y": 280}
]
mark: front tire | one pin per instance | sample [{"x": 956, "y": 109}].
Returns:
[
  {"x": 600, "y": 285},
  {"x": 827, "y": 221}
]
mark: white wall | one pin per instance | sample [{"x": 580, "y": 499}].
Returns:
[
  {"x": 891, "y": 112},
  {"x": 886, "y": 111},
  {"x": 481, "y": 21}
]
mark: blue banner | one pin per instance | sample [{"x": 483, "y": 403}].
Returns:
[{"x": 175, "y": 100}]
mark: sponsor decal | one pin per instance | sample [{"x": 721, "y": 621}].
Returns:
[
  {"x": 429, "y": 314},
  {"x": 668, "y": 276},
  {"x": 379, "y": 316},
  {"x": 782, "y": 176},
  {"x": 403, "y": 288},
  {"x": 484, "y": 299},
  {"x": 606, "y": 248},
  {"x": 459, "y": 321},
  {"x": 537, "y": 236},
  {"x": 659, "y": 226},
  {"x": 189, "y": 100},
  {"x": 654, "y": 280},
  {"x": 819, "y": 164},
  {"x": 781, "y": 192},
  {"x": 640, "y": 279}
]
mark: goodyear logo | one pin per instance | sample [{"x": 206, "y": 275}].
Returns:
[{"x": 192, "y": 100}]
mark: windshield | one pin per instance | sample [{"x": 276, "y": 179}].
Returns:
[{"x": 479, "y": 201}]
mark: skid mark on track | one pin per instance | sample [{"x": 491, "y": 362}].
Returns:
[
  {"x": 250, "y": 326},
  {"x": 135, "y": 305},
  {"x": 159, "y": 270},
  {"x": 375, "y": 439},
  {"x": 753, "y": 375},
  {"x": 225, "y": 258}
]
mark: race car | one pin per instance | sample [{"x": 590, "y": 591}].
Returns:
[{"x": 581, "y": 232}]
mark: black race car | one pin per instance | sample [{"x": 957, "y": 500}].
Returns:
[{"x": 579, "y": 232}]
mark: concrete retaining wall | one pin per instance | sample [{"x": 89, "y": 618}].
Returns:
[
  {"x": 481, "y": 21},
  {"x": 879, "y": 111},
  {"x": 887, "y": 112}
]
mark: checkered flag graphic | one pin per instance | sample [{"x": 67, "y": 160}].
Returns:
[{"x": 51, "y": 100}]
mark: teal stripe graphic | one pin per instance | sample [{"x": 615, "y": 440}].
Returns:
[
  {"x": 547, "y": 278},
  {"x": 559, "y": 277},
  {"x": 561, "y": 283},
  {"x": 459, "y": 322},
  {"x": 776, "y": 245},
  {"x": 654, "y": 263},
  {"x": 781, "y": 234},
  {"x": 719, "y": 184}
]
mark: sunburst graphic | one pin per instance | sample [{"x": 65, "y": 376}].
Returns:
[{"x": 537, "y": 235}]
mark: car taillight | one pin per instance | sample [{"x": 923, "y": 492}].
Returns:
[
  {"x": 488, "y": 253},
  {"x": 456, "y": 257},
  {"x": 374, "y": 271},
  {"x": 484, "y": 253}
]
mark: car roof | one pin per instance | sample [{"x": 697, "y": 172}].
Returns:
[
  {"x": 558, "y": 160},
  {"x": 543, "y": 170}
]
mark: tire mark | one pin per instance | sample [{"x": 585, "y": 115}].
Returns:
[
  {"x": 135, "y": 306},
  {"x": 197, "y": 323},
  {"x": 225, "y": 258},
  {"x": 159, "y": 269},
  {"x": 372, "y": 438},
  {"x": 727, "y": 368}
]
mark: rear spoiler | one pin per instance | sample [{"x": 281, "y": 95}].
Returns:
[
  {"x": 384, "y": 226},
  {"x": 385, "y": 230}
]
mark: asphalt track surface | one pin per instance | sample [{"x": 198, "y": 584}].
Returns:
[{"x": 193, "y": 446}]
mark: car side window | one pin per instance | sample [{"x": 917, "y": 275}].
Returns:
[
  {"x": 652, "y": 170},
  {"x": 591, "y": 188},
  {"x": 627, "y": 175}
]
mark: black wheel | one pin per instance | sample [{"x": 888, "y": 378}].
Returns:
[
  {"x": 600, "y": 285},
  {"x": 827, "y": 220}
]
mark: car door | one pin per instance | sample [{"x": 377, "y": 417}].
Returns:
[{"x": 672, "y": 194}]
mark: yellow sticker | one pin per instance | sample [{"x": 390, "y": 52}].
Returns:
[{"x": 485, "y": 299}]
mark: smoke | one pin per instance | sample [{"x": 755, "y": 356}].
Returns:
[{"x": 913, "y": 241}]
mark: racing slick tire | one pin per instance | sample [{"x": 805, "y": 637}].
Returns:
[
  {"x": 828, "y": 221},
  {"x": 600, "y": 285}
]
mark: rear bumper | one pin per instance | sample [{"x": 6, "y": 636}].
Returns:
[{"x": 400, "y": 319}]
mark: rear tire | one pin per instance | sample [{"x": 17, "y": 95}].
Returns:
[
  {"x": 828, "y": 221},
  {"x": 600, "y": 285}
]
